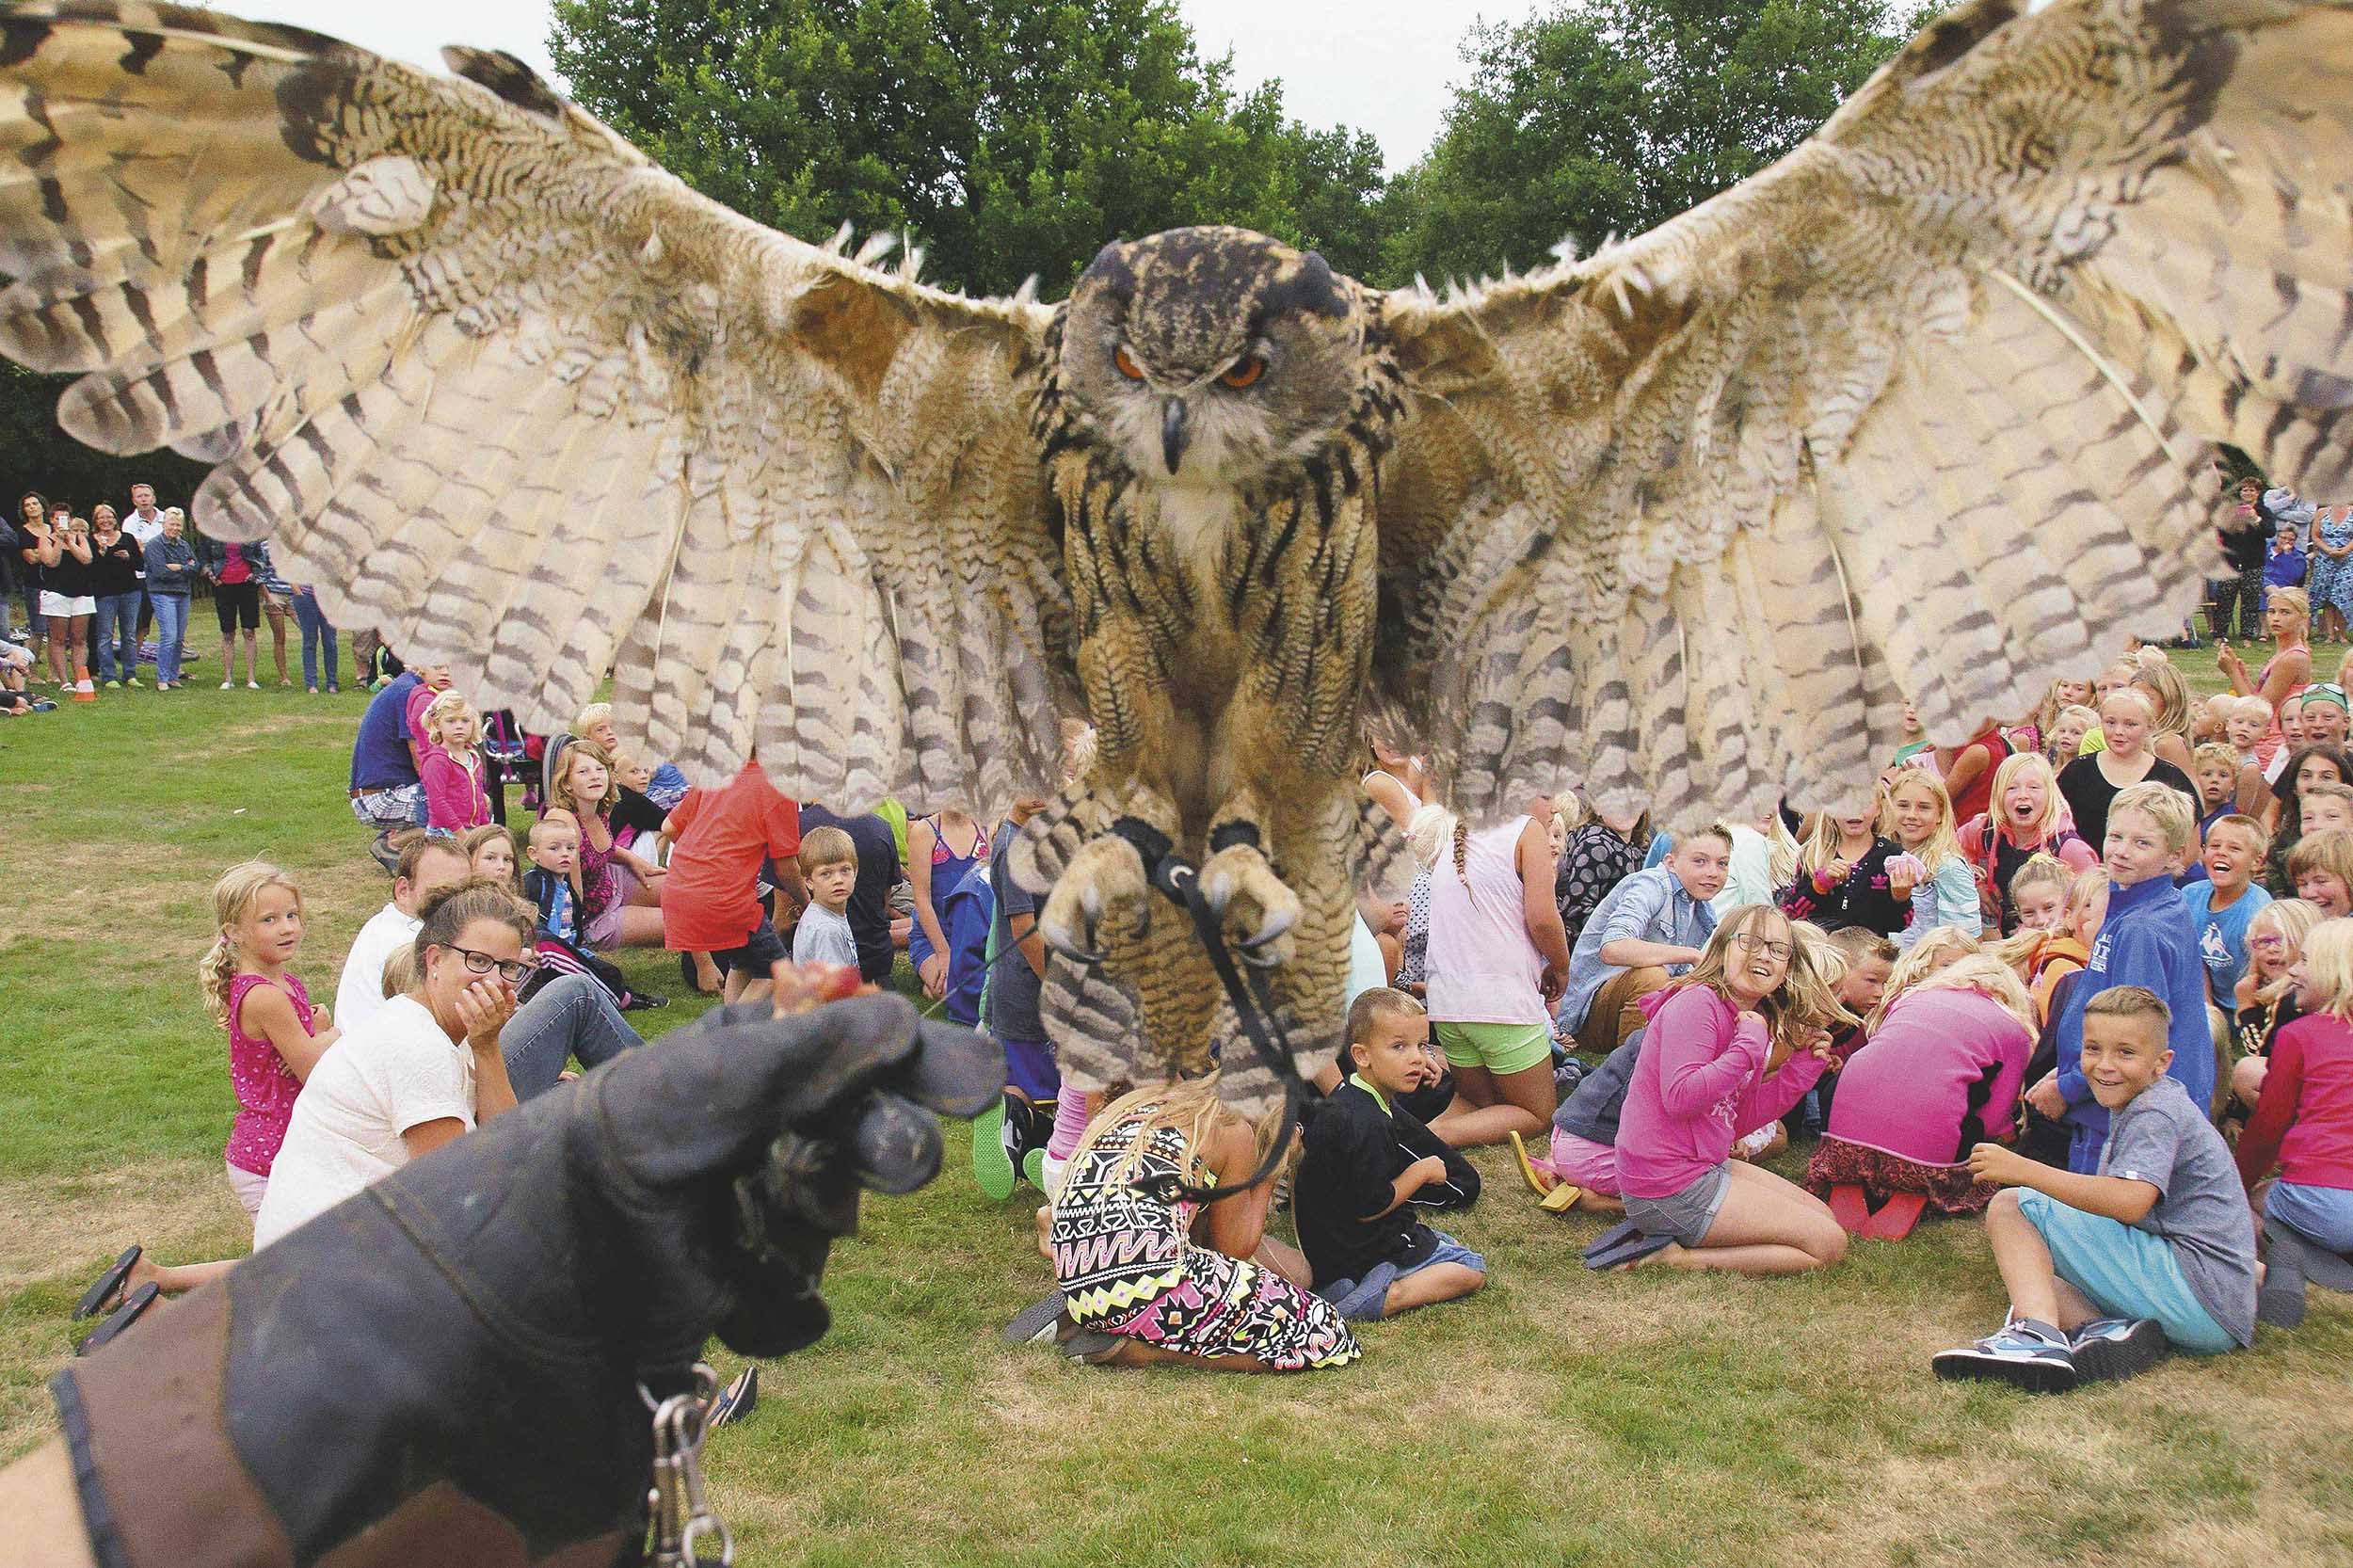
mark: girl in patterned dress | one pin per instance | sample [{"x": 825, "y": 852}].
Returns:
[{"x": 1168, "y": 1279}]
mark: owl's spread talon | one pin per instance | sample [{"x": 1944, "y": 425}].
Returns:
[
  {"x": 1104, "y": 881},
  {"x": 1255, "y": 907}
]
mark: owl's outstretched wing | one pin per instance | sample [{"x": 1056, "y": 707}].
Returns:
[
  {"x": 501, "y": 387},
  {"x": 1922, "y": 412}
]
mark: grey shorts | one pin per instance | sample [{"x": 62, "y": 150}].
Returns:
[{"x": 1684, "y": 1217}]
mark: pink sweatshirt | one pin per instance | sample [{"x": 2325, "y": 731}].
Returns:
[
  {"x": 1699, "y": 1083},
  {"x": 1941, "y": 1073},
  {"x": 454, "y": 796}
]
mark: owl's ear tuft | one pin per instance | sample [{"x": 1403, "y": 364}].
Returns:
[
  {"x": 1110, "y": 271},
  {"x": 1309, "y": 287}
]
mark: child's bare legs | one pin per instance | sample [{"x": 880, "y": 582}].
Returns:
[
  {"x": 2025, "y": 1259},
  {"x": 1135, "y": 1352},
  {"x": 174, "y": 1281},
  {"x": 2247, "y": 1080},
  {"x": 1768, "y": 1225},
  {"x": 641, "y": 927},
  {"x": 707, "y": 976},
  {"x": 1288, "y": 1261},
  {"x": 1488, "y": 1108},
  {"x": 1440, "y": 1282}
]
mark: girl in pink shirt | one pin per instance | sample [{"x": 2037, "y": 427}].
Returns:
[
  {"x": 1732, "y": 1046},
  {"x": 276, "y": 1036},
  {"x": 1940, "y": 1075},
  {"x": 450, "y": 766}
]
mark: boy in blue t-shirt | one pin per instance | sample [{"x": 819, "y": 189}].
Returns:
[
  {"x": 2223, "y": 904},
  {"x": 2147, "y": 939}
]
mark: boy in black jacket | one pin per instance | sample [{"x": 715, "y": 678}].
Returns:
[{"x": 1368, "y": 1163}]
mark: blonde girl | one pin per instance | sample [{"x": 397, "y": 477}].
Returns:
[
  {"x": 450, "y": 766},
  {"x": 2128, "y": 714},
  {"x": 2320, "y": 868},
  {"x": 1931, "y": 953},
  {"x": 2266, "y": 992},
  {"x": 2170, "y": 737},
  {"x": 1944, "y": 890},
  {"x": 2056, "y": 699},
  {"x": 2025, "y": 816},
  {"x": 2287, "y": 617},
  {"x": 276, "y": 1036},
  {"x": 2064, "y": 740},
  {"x": 2303, "y": 1117},
  {"x": 1842, "y": 877},
  {"x": 1126, "y": 1243},
  {"x": 586, "y": 790},
  {"x": 490, "y": 853},
  {"x": 1747, "y": 1031}
]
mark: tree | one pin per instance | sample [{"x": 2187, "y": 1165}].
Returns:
[
  {"x": 1012, "y": 137},
  {"x": 43, "y": 457},
  {"x": 1612, "y": 116}
]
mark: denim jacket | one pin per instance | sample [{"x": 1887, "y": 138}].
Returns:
[{"x": 162, "y": 551}]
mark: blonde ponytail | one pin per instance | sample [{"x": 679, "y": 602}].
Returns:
[
  {"x": 233, "y": 899},
  {"x": 1461, "y": 851},
  {"x": 215, "y": 973}
]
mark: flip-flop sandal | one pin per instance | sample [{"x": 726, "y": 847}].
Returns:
[
  {"x": 1527, "y": 1167},
  {"x": 1561, "y": 1198},
  {"x": 1850, "y": 1207},
  {"x": 1894, "y": 1219},
  {"x": 107, "y": 1293},
  {"x": 1633, "y": 1249},
  {"x": 738, "y": 1399},
  {"x": 122, "y": 1318},
  {"x": 1032, "y": 1319}
]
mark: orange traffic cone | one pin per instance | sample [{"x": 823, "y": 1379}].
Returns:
[{"x": 83, "y": 690}]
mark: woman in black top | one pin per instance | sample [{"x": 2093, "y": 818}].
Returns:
[
  {"x": 2127, "y": 714},
  {"x": 117, "y": 560},
  {"x": 67, "y": 597},
  {"x": 32, "y": 527},
  {"x": 1842, "y": 877}
]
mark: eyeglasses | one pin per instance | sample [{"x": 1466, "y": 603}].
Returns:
[
  {"x": 1751, "y": 942},
  {"x": 514, "y": 973}
]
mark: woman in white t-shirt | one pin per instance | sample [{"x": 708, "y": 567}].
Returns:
[{"x": 423, "y": 1069}]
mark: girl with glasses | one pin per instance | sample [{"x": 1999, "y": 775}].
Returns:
[{"x": 1731, "y": 1047}]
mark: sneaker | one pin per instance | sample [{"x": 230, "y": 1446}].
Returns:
[
  {"x": 644, "y": 1001},
  {"x": 114, "y": 685},
  {"x": 993, "y": 1169},
  {"x": 2109, "y": 1350},
  {"x": 333, "y": 690},
  {"x": 2025, "y": 1353},
  {"x": 1566, "y": 1076},
  {"x": 226, "y": 685},
  {"x": 1028, "y": 1127},
  {"x": 309, "y": 690},
  {"x": 251, "y": 685},
  {"x": 132, "y": 682},
  {"x": 42, "y": 705}
]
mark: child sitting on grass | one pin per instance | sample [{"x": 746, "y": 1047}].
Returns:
[
  {"x": 2221, "y": 905},
  {"x": 1366, "y": 1164},
  {"x": 828, "y": 861},
  {"x": 2146, "y": 940},
  {"x": 2217, "y": 775},
  {"x": 2266, "y": 992},
  {"x": 2107, "y": 1267},
  {"x": 1732, "y": 1046},
  {"x": 490, "y": 853},
  {"x": 1940, "y": 1075},
  {"x": 2320, "y": 868},
  {"x": 2303, "y": 1121},
  {"x": 2324, "y": 807},
  {"x": 1945, "y": 892},
  {"x": 1149, "y": 1274}
]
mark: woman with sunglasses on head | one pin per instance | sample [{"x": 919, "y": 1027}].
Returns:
[{"x": 420, "y": 1071}]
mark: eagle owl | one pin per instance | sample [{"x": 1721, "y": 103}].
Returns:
[{"x": 1926, "y": 411}]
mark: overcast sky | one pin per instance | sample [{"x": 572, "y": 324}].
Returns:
[{"x": 1384, "y": 66}]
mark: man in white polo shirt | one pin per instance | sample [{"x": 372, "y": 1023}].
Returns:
[{"x": 425, "y": 866}]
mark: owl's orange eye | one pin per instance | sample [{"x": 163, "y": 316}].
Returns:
[
  {"x": 1245, "y": 373},
  {"x": 1127, "y": 364}
]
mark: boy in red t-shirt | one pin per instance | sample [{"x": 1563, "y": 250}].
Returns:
[{"x": 710, "y": 900}]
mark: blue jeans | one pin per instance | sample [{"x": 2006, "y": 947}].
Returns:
[
  {"x": 571, "y": 1016},
  {"x": 114, "y": 636},
  {"x": 314, "y": 631},
  {"x": 1363, "y": 1300},
  {"x": 171, "y": 631}
]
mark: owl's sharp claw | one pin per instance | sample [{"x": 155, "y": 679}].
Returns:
[
  {"x": 1103, "y": 879},
  {"x": 1255, "y": 907}
]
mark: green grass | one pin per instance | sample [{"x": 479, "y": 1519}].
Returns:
[{"x": 1554, "y": 1419}]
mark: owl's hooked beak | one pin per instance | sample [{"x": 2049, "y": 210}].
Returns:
[{"x": 1174, "y": 433}]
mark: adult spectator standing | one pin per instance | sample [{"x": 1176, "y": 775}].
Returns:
[
  {"x": 32, "y": 531},
  {"x": 236, "y": 571},
  {"x": 11, "y": 543},
  {"x": 870, "y": 897},
  {"x": 171, "y": 571},
  {"x": 2245, "y": 536},
  {"x": 1650, "y": 929},
  {"x": 278, "y": 596},
  {"x": 386, "y": 789},
  {"x": 145, "y": 524},
  {"x": 427, "y": 867},
  {"x": 315, "y": 632},
  {"x": 117, "y": 564},
  {"x": 66, "y": 597}
]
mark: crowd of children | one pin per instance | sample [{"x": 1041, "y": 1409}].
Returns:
[{"x": 2024, "y": 978}]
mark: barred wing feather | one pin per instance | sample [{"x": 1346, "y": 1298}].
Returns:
[
  {"x": 501, "y": 387},
  {"x": 1924, "y": 411}
]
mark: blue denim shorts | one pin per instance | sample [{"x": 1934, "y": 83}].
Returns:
[
  {"x": 1360, "y": 1300},
  {"x": 2323, "y": 1213},
  {"x": 2125, "y": 1271}
]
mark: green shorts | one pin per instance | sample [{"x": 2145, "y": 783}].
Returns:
[{"x": 1498, "y": 1047}]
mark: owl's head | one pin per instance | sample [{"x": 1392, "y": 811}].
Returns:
[{"x": 1209, "y": 356}]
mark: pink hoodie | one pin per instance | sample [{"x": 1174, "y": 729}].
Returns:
[
  {"x": 454, "y": 796},
  {"x": 1699, "y": 1083}
]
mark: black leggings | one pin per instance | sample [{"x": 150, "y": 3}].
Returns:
[{"x": 237, "y": 604}]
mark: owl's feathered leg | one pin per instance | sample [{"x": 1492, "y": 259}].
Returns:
[
  {"x": 1239, "y": 881},
  {"x": 1320, "y": 855}
]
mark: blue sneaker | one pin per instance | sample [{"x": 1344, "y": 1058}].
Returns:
[{"x": 2025, "y": 1353}]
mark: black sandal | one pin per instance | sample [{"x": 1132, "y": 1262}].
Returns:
[
  {"x": 107, "y": 1293},
  {"x": 122, "y": 1318},
  {"x": 1030, "y": 1324}
]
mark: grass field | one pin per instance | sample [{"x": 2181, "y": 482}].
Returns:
[{"x": 1554, "y": 1418}]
